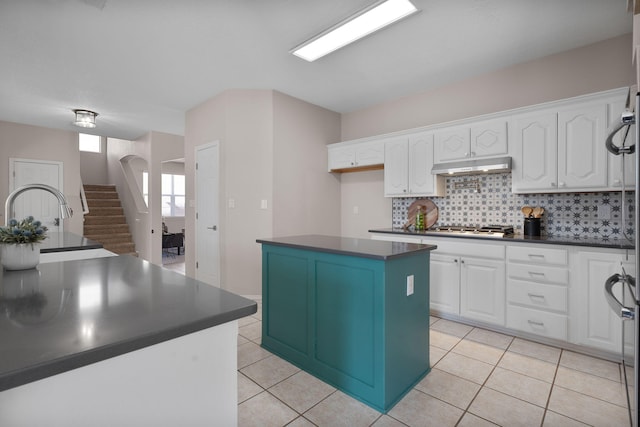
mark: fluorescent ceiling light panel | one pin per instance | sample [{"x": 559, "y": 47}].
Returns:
[{"x": 374, "y": 18}]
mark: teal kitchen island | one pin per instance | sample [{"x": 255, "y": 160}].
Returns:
[{"x": 352, "y": 312}]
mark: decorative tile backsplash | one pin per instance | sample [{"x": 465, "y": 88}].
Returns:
[{"x": 566, "y": 214}]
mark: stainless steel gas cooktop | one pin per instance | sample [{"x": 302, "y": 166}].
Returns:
[{"x": 484, "y": 231}]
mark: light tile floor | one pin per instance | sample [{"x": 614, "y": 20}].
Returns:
[{"x": 478, "y": 378}]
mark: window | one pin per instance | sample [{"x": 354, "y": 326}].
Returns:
[
  {"x": 145, "y": 187},
  {"x": 90, "y": 143},
  {"x": 173, "y": 195}
]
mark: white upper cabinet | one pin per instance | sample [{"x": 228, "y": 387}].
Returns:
[
  {"x": 582, "y": 157},
  {"x": 481, "y": 139},
  {"x": 355, "y": 155},
  {"x": 396, "y": 168},
  {"x": 562, "y": 149},
  {"x": 452, "y": 144},
  {"x": 489, "y": 138},
  {"x": 534, "y": 143},
  {"x": 407, "y": 167}
]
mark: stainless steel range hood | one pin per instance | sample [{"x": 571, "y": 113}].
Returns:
[{"x": 476, "y": 166}]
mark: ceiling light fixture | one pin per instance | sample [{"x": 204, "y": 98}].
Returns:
[
  {"x": 85, "y": 118},
  {"x": 363, "y": 23}
]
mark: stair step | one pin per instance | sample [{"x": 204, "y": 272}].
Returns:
[
  {"x": 92, "y": 187},
  {"x": 105, "y": 211},
  {"x": 106, "y": 203},
  {"x": 109, "y": 238},
  {"x": 92, "y": 230},
  {"x": 104, "y": 220},
  {"x": 119, "y": 248},
  {"x": 100, "y": 195}
]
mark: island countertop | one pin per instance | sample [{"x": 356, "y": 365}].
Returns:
[
  {"x": 65, "y": 315},
  {"x": 364, "y": 248}
]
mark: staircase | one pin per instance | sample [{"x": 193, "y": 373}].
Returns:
[{"x": 105, "y": 222}]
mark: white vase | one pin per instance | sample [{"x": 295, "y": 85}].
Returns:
[{"x": 19, "y": 256}]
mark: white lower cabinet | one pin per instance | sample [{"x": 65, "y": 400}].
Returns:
[
  {"x": 444, "y": 281},
  {"x": 597, "y": 324},
  {"x": 467, "y": 279},
  {"x": 482, "y": 289},
  {"x": 538, "y": 290},
  {"x": 555, "y": 292}
]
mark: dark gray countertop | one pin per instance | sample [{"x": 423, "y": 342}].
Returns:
[
  {"x": 65, "y": 315},
  {"x": 549, "y": 240},
  {"x": 364, "y": 248},
  {"x": 61, "y": 242}
]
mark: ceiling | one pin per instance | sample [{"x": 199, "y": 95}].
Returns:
[{"x": 141, "y": 64}]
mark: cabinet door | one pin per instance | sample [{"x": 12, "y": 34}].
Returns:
[
  {"x": 452, "y": 144},
  {"x": 535, "y": 151},
  {"x": 369, "y": 153},
  {"x": 421, "y": 181},
  {"x": 482, "y": 290},
  {"x": 444, "y": 282},
  {"x": 489, "y": 138},
  {"x": 597, "y": 324},
  {"x": 582, "y": 156},
  {"x": 342, "y": 158},
  {"x": 623, "y": 163},
  {"x": 396, "y": 168}
]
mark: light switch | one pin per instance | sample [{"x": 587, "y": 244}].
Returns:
[
  {"x": 263, "y": 204},
  {"x": 232, "y": 203},
  {"x": 410, "y": 285},
  {"x": 356, "y": 210}
]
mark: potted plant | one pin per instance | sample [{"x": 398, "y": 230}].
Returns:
[{"x": 19, "y": 243}]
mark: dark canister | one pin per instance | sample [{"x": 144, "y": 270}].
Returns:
[{"x": 531, "y": 226}]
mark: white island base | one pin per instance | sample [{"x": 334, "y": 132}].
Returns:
[{"x": 186, "y": 381}]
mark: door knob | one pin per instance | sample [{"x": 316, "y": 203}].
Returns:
[{"x": 214, "y": 227}]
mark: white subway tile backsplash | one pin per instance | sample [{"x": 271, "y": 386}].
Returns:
[{"x": 566, "y": 214}]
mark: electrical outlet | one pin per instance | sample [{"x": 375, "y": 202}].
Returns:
[
  {"x": 410, "y": 285},
  {"x": 604, "y": 212},
  {"x": 232, "y": 203},
  {"x": 356, "y": 210}
]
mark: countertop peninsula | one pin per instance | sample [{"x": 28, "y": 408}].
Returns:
[
  {"x": 364, "y": 248},
  {"x": 65, "y": 241},
  {"x": 65, "y": 315}
]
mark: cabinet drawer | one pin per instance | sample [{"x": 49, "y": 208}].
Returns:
[
  {"x": 537, "y": 295},
  {"x": 462, "y": 247},
  {"x": 538, "y": 273},
  {"x": 537, "y": 322},
  {"x": 538, "y": 255}
]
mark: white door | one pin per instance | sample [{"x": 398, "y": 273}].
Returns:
[
  {"x": 40, "y": 204},
  {"x": 207, "y": 233}
]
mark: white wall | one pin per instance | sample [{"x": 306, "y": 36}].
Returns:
[
  {"x": 602, "y": 66},
  {"x": 93, "y": 166},
  {"x": 37, "y": 143},
  {"x": 594, "y": 68},
  {"x": 306, "y": 197},
  {"x": 267, "y": 140}
]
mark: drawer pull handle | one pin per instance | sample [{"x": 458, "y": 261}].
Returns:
[
  {"x": 536, "y": 323},
  {"x": 535, "y": 296},
  {"x": 536, "y": 273},
  {"x": 536, "y": 256}
]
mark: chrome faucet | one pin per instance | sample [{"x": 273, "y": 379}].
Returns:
[{"x": 65, "y": 210}]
